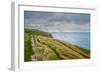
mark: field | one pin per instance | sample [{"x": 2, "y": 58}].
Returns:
[{"x": 41, "y": 46}]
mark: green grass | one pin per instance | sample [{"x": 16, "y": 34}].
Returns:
[
  {"x": 44, "y": 52},
  {"x": 48, "y": 48},
  {"x": 61, "y": 50},
  {"x": 27, "y": 47},
  {"x": 38, "y": 32}
]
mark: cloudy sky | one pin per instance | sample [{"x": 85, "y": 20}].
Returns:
[{"x": 56, "y": 21}]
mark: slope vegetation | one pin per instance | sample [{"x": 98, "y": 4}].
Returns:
[{"x": 42, "y": 46}]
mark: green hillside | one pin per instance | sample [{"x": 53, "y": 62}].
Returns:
[
  {"x": 37, "y": 32},
  {"x": 41, "y": 46}
]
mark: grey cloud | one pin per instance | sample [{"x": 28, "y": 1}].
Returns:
[{"x": 55, "y": 20}]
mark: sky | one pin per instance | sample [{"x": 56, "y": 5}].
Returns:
[{"x": 57, "y": 21}]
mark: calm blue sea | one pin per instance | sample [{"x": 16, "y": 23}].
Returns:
[{"x": 79, "y": 38}]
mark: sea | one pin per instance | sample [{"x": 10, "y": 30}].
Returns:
[{"x": 81, "y": 39}]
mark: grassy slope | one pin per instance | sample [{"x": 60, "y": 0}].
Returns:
[
  {"x": 27, "y": 47},
  {"x": 63, "y": 51},
  {"x": 47, "y": 48},
  {"x": 28, "y": 51},
  {"x": 37, "y": 32}
]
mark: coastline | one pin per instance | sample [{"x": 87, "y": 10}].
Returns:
[{"x": 48, "y": 48}]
